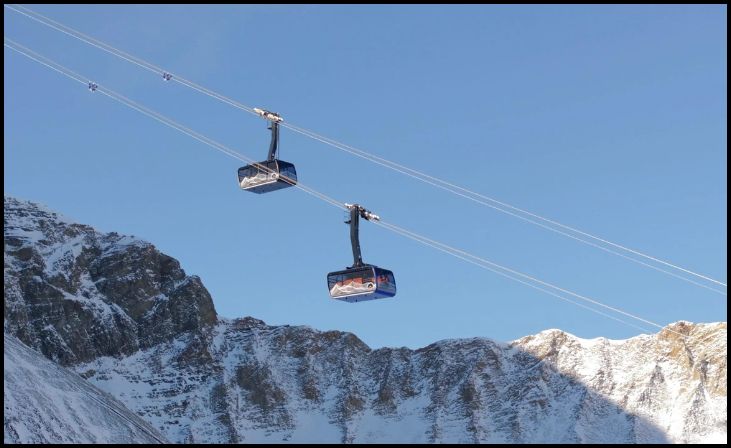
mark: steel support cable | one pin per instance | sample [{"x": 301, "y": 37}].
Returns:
[
  {"x": 373, "y": 158},
  {"x": 210, "y": 142},
  {"x": 63, "y": 70},
  {"x": 122, "y": 54},
  {"x": 480, "y": 260},
  {"x": 484, "y": 266},
  {"x": 88, "y": 39},
  {"x": 161, "y": 118},
  {"x": 408, "y": 172}
]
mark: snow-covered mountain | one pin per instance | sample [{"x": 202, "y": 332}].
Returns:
[
  {"x": 75, "y": 294},
  {"x": 46, "y": 403},
  {"x": 128, "y": 319}
]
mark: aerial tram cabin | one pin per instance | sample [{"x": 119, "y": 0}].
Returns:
[
  {"x": 271, "y": 174},
  {"x": 361, "y": 281}
]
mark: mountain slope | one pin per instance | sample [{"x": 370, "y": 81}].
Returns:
[
  {"x": 148, "y": 334},
  {"x": 75, "y": 294},
  {"x": 296, "y": 384},
  {"x": 45, "y": 403}
]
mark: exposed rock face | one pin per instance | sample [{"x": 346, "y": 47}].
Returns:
[
  {"x": 151, "y": 337},
  {"x": 46, "y": 403},
  {"x": 300, "y": 385},
  {"x": 75, "y": 294}
]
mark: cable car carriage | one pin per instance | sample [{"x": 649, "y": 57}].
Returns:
[
  {"x": 361, "y": 281},
  {"x": 271, "y": 174}
]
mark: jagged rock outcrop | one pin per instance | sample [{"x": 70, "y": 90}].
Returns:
[
  {"x": 75, "y": 294},
  {"x": 46, "y": 403},
  {"x": 152, "y": 332}
]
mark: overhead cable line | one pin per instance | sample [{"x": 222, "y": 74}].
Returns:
[
  {"x": 124, "y": 55},
  {"x": 481, "y": 199},
  {"x": 431, "y": 180},
  {"x": 157, "y": 116},
  {"x": 483, "y": 262},
  {"x": 230, "y": 152},
  {"x": 475, "y": 260},
  {"x": 426, "y": 178}
]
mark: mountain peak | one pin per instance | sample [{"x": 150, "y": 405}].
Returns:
[
  {"x": 75, "y": 294},
  {"x": 129, "y": 319}
]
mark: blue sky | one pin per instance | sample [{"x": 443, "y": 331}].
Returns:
[{"x": 611, "y": 119}]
